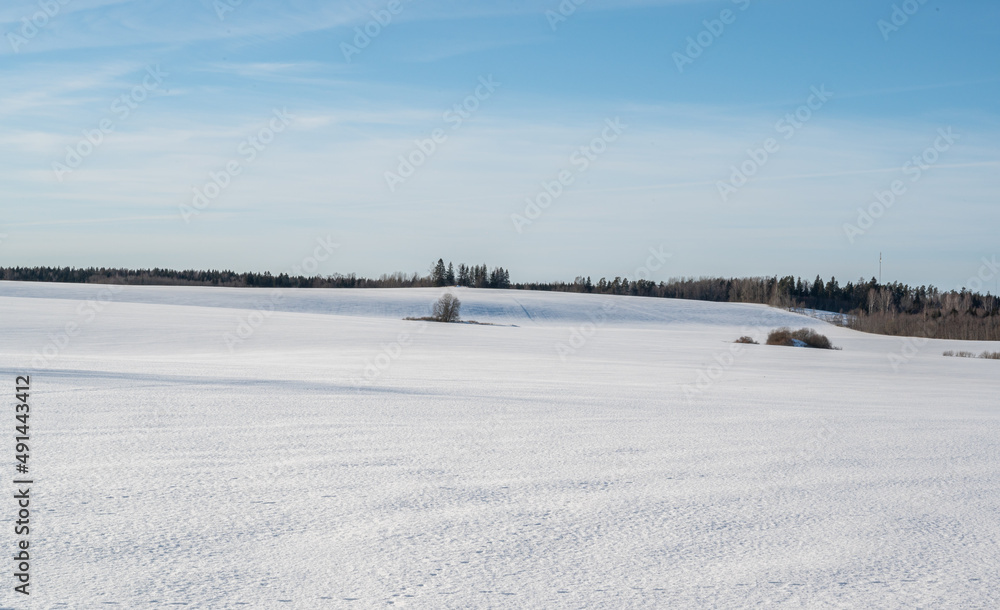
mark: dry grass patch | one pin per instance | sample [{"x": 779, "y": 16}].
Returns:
[{"x": 988, "y": 355}]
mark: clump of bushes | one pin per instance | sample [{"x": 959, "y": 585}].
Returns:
[
  {"x": 804, "y": 337},
  {"x": 964, "y": 354},
  {"x": 746, "y": 339}
]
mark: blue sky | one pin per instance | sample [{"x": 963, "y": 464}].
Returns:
[{"x": 183, "y": 94}]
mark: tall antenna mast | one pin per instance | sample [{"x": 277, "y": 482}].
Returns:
[{"x": 880, "y": 268}]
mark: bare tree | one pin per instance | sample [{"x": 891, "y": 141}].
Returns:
[
  {"x": 447, "y": 307},
  {"x": 885, "y": 300}
]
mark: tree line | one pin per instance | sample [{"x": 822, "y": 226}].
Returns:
[
  {"x": 190, "y": 277},
  {"x": 893, "y": 308},
  {"x": 474, "y": 276},
  {"x": 888, "y": 309},
  {"x": 789, "y": 291}
]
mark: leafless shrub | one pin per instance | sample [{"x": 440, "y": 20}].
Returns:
[
  {"x": 447, "y": 308},
  {"x": 808, "y": 336},
  {"x": 746, "y": 339},
  {"x": 990, "y": 355},
  {"x": 780, "y": 336}
]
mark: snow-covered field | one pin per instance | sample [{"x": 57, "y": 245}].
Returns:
[{"x": 222, "y": 448}]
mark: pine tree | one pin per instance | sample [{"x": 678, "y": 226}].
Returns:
[
  {"x": 832, "y": 288},
  {"x": 817, "y": 289},
  {"x": 450, "y": 276},
  {"x": 440, "y": 275}
]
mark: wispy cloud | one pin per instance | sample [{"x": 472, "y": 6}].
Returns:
[{"x": 353, "y": 121}]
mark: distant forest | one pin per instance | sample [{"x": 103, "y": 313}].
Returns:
[
  {"x": 475, "y": 276},
  {"x": 893, "y": 309},
  {"x": 887, "y": 309}
]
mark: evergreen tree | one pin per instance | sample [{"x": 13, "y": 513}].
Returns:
[
  {"x": 817, "y": 289},
  {"x": 832, "y": 288},
  {"x": 450, "y": 275},
  {"x": 439, "y": 276}
]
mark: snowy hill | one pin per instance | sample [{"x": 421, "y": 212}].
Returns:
[
  {"x": 498, "y": 306},
  {"x": 309, "y": 448}
]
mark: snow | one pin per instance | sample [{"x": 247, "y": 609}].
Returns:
[
  {"x": 840, "y": 319},
  {"x": 308, "y": 448}
]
